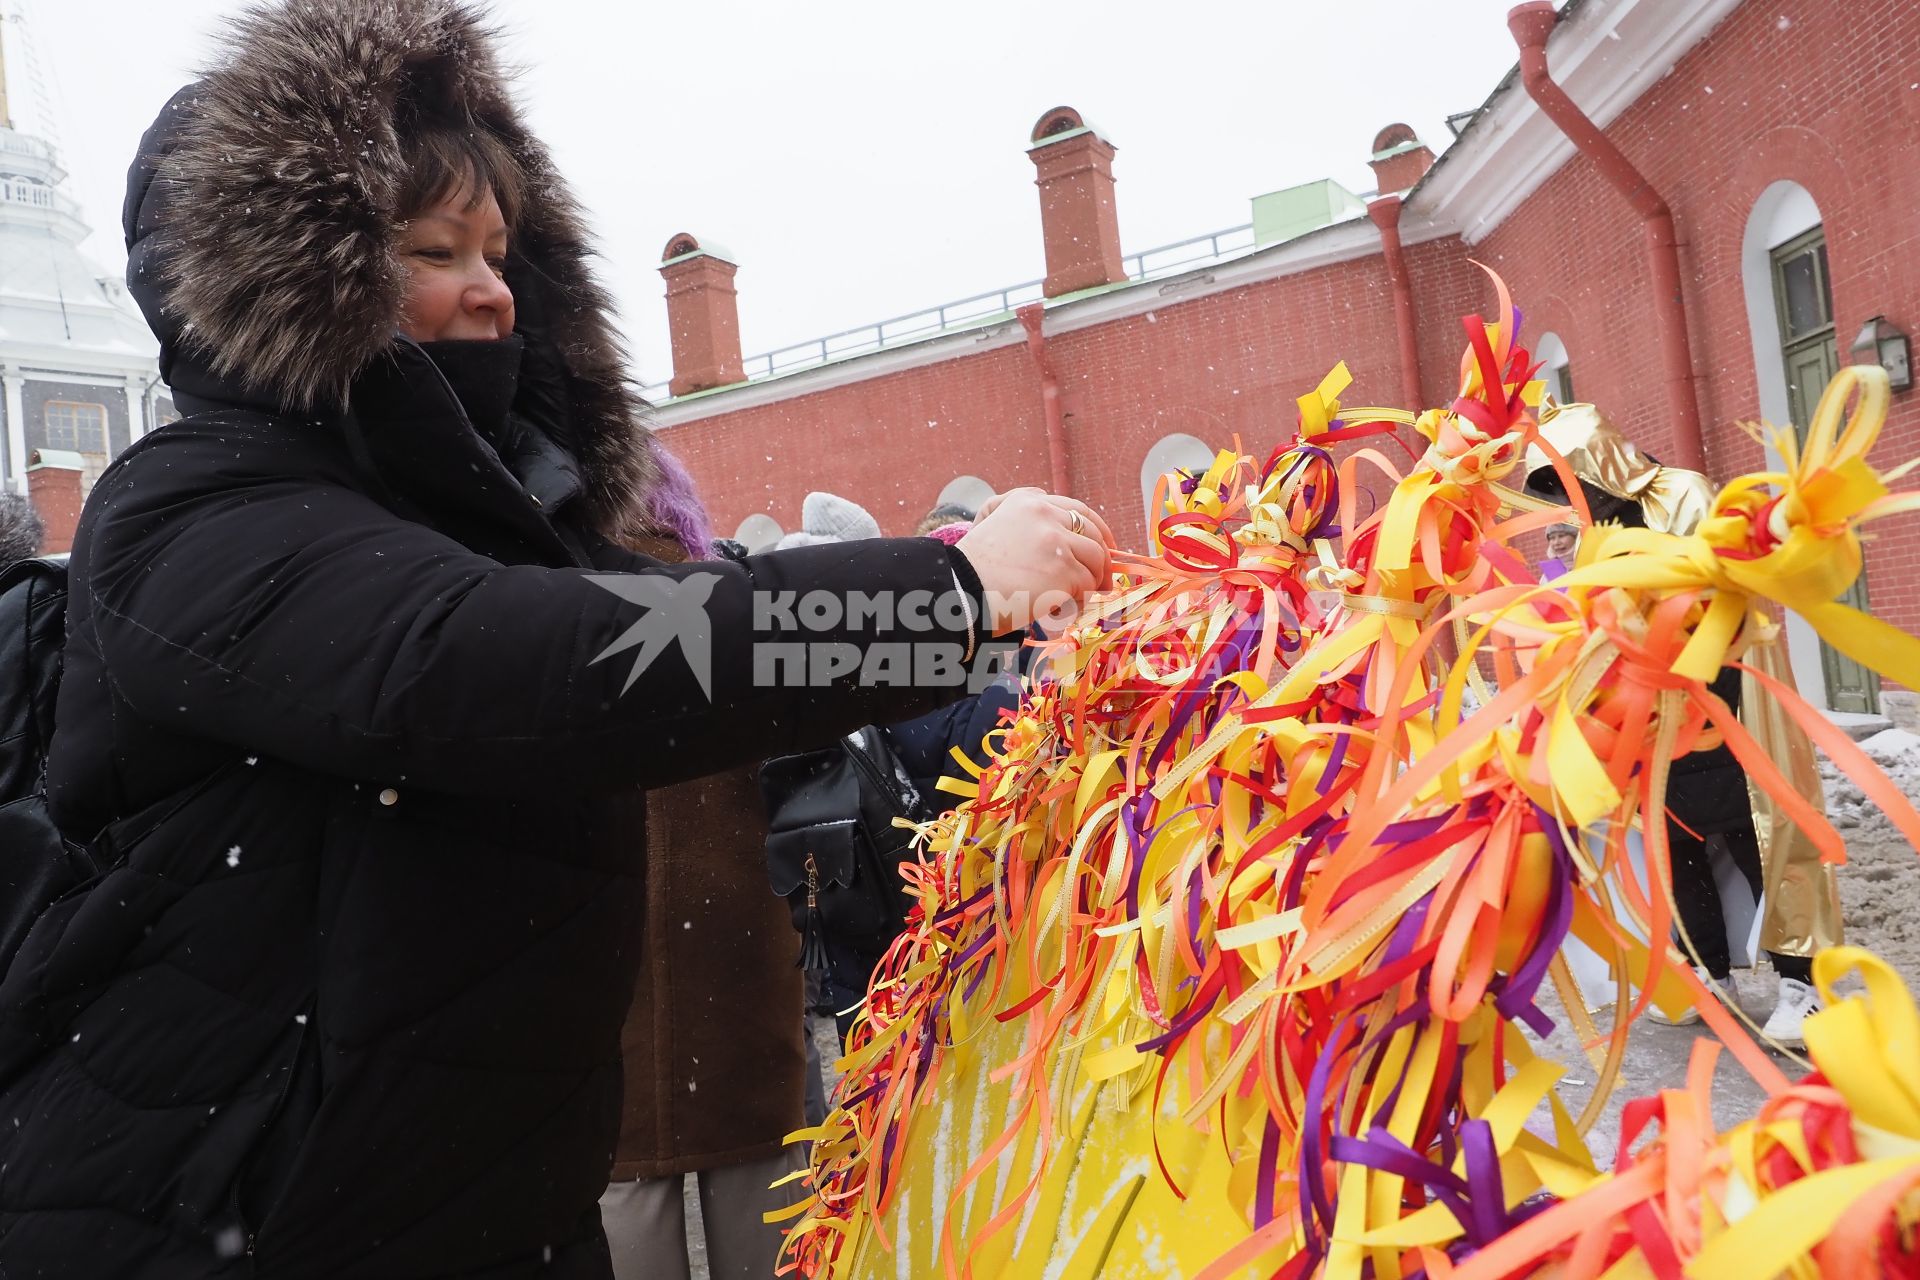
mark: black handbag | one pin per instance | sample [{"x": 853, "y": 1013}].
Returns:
[{"x": 833, "y": 851}]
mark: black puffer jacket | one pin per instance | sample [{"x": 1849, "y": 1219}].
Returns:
[{"x": 349, "y": 1004}]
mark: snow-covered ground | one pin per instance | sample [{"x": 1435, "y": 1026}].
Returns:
[{"x": 1880, "y": 885}]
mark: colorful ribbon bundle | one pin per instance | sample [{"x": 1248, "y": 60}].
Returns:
[
  {"x": 1824, "y": 1182},
  {"x": 1223, "y": 961}
]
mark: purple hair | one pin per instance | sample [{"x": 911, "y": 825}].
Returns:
[{"x": 673, "y": 507}]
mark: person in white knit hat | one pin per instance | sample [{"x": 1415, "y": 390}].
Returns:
[{"x": 828, "y": 517}]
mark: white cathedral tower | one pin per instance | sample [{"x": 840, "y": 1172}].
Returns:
[{"x": 78, "y": 377}]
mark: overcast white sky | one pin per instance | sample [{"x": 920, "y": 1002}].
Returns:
[{"x": 861, "y": 158}]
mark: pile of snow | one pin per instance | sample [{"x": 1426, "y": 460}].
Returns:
[
  {"x": 1897, "y": 752},
  {"x": 1880, "y": 884},
  {"x": 1891, "y": 743}
]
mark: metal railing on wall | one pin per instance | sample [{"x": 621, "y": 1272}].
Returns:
[
  {"x": 975, "y": 310},
  {"x": 39, "y": 196},
  {"x": 25, "y": 145}
]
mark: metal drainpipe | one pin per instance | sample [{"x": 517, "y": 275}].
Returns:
[
  {"x": 1385, "y": 213},
  {"x": 1531, "y": 24},
  {"x": 1030, "y": 316}
]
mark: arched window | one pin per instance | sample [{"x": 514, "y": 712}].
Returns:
[
  {"x": 1784, "y": 212},
  {"x": 758, "y": 532},
  {"x": 1783, "y": 267},
  {"x": 1177, "y": 452},
  {"x": 1555, "y": 369}
]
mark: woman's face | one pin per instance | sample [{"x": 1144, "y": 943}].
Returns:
[
  {"x": 456, "y": 261},
  {"x": 1561, "y": 543}
]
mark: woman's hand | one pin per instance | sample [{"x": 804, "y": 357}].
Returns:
[{"x": 1038, "y": 556}]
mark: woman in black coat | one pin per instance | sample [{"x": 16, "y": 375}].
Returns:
[{"x": 347, "y": 715}]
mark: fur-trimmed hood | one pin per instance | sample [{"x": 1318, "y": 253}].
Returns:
[{"x": 262, "y": 241}]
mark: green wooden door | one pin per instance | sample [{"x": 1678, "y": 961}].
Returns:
[{"x": 1803, "y": 305}]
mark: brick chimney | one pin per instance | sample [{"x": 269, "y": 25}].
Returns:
[
  {"x": 53, "y": 485},
  {"x": 703, "y": 315},
  {"x": 1077, "y": 213},
  {"x": 1399, "y": 159}
]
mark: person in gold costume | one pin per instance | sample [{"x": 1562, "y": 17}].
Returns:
[{"x": 1709, "y": 797}]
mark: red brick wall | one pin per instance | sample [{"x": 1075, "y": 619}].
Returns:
[
  {"x": 1822, "y": 95},
  {"x": 1226, "y": 364},
  {"x": 1817, "y": 93},
  {"x": 889, "y": 443}
]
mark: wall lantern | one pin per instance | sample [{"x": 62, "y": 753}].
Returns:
[{"x": 1882, "y": 344}]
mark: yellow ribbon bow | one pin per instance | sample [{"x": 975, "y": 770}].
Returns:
[{"x": 1801, "y": 547}]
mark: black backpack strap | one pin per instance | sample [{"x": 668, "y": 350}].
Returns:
[
  {"x": 887, "y": 779},
  {"x": 33, "y": 612},
  {"x": 36, "y": 863}
]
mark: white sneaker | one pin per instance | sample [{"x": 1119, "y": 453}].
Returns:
[
  {"x": 1727, "y": 988},
  {"x": 1797, "y": 1000}
]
